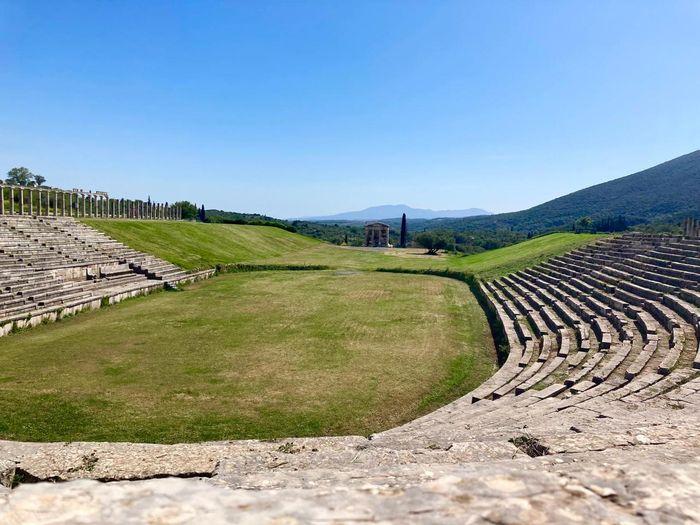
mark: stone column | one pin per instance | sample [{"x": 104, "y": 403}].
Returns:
[
  {"x": 2, "y": 200},
  {"x": 21, "y": 201},
  {"x": 70, "y": 204},
  {"x": 31, "y": 202},
  {"x": 55, "y": 204}
]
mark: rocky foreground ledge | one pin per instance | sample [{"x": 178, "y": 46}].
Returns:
[{"x": 490, "y": 462}]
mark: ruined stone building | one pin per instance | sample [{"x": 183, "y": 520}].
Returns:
[{"x": 376, "y": 234}]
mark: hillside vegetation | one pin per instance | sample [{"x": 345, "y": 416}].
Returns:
[
  {"x": 667, "y": 192},
  {"x": 193, "y": 245}
]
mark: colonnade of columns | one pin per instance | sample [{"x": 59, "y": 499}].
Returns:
[
  {"x": 25, "y": 200},
  {"x": 691, "y": 227}
]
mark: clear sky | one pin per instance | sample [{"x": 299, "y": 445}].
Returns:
[{"x": 304, "y": 108}]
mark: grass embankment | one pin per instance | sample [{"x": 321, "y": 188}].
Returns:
[
  {"x": 486, "y": 265},
  {"x": 196, "y": 245},
  {"x": 264, "y": 354},
  {"x": 193, "y": 245}
]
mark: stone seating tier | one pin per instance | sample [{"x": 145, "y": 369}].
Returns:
[
  {"x": 636, "y": 310},
  {"x": 47, "y": 263}
]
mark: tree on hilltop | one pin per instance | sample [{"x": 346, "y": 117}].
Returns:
[
  {"x": 189, "y": 211},
  {"x": 433, "y": 241},
  {"x": 23, "y": 177}
]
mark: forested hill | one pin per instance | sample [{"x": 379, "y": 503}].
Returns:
[{"x": 667, "y": 192}]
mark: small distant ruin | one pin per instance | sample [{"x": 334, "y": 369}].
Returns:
[
  {"x": 691, "y": 228},
  {"x": 377, "y": 234}
]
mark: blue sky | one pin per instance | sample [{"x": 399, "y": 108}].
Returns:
[{"x": 305, "y": 108}]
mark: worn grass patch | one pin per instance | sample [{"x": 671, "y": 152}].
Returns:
[{"x": 250, "y": 355}]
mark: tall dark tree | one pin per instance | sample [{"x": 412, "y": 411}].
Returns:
[
  {"x": 404, "y": 231},
  {"x": 202, "y": 214}
]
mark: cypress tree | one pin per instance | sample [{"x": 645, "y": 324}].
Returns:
[
  {"x": 202, "y": 214},
  {"x": 404, "y": 231}
]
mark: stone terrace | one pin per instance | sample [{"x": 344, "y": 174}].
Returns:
[
  {"x": 51, "y": 267},
  {"x": 594, "y": 417}
]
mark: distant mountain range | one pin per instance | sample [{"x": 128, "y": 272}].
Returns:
[
  {"x": 393, "y": 211},
  {"x": 664, "y": 193}
]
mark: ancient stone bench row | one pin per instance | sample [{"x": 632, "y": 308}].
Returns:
[{"x": 36, "y": 253}]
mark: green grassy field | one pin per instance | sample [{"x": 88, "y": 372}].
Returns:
[
  {"x": 193, "y": 245},
  {"x": 262, "y": 354},
  {"x": 485, "y": 265},
  {"x": 196, "y": 245}
]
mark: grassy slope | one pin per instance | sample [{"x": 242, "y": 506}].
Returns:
[
  {"x": 486, "y": 265},
  {"x": 195, "y": 245},
  {"x": 192, "y": 245},
  {"x": 500, "y": 262},
  {"x": 264, "y": 354}
]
